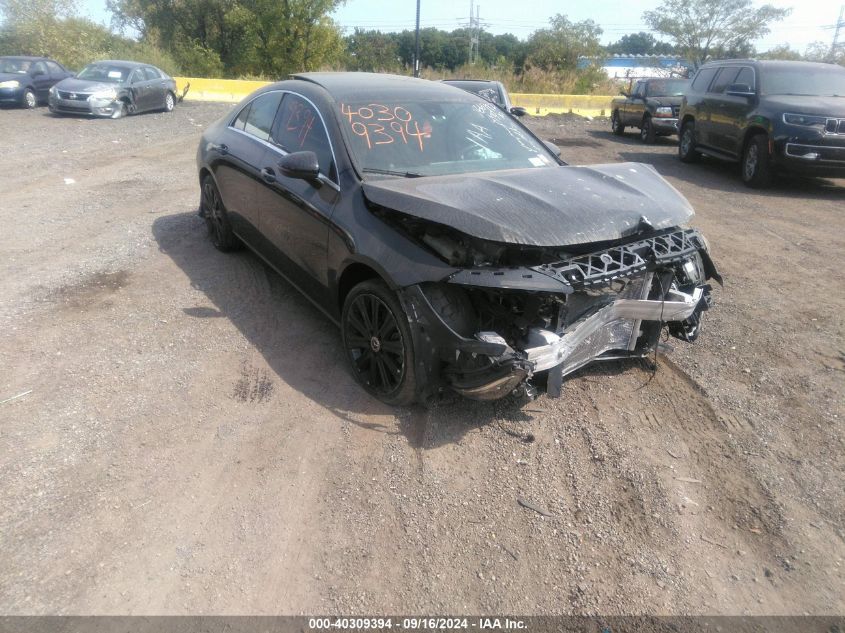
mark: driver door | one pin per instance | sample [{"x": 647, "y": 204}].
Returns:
[
  {"x": 294, "y": 214},
  {"x": 40, "y": 80}
]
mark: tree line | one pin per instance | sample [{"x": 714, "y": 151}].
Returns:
[{"x": 272, "y": 38}]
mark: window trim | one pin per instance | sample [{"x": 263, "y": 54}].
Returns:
[{"x": 321, "y": 177}]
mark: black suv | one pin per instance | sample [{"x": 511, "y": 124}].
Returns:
[{"x": 767, "y": 115}]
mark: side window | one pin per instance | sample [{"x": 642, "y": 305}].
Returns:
[
  {"x": 151, "y": 73},
  {"x": 746, "y": 77},
  {"x": 640, "y": 89},
  {"x": 55, "y": 69},
  {"x": 240, "y": 122},
  {"x": 259, "y": 121},
  {"x": 39, "y": 67},
  {"x": 136, "y": 76},
  {"x": 703, "y": 79},
  {"x": 298, "y": 128},
  {"x": 724, "y": 79}
]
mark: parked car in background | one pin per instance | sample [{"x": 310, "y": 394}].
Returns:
[
  {"x": 652, "y": 106},
  {"x": 25, "y": 81},
  {"x": 114, "y": 89},
  {"x": 769, "y": 116},
  {"x": 453, "y": 247},
  {"x": 493, "y": 91}
]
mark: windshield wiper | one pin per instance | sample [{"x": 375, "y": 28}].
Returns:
[{"x": 390, "y": 172}]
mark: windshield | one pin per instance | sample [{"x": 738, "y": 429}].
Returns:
[
  {"x": 16, "y": 66},
  {"x": 106, "y": 73},
  {"x": 668, "y": 88},
  {"x": 427, "y": 138},
  {"x": 809, "y": 81}
]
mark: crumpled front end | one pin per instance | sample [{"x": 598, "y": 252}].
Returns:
[{"x": 487, "y": 330}]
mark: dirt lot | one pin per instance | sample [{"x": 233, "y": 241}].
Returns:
[{"x": 190, "y": 441}]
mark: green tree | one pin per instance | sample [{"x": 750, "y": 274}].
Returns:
[
  {"x": 705, "y": 28},
  {"x": 640, "y": 44},
  {"x": 371, "y": 51},
  {"x": 560, "y": 46}
]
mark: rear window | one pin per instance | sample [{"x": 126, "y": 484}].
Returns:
[
  {"x": 703, "y": 79},
  {"x": 259, "y": 121}
]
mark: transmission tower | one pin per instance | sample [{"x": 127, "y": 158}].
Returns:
[
  {"x": 474, "y": 31},
  {"x": 840, "y": 23}
]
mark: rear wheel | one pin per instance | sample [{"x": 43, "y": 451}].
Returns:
[
  {"x": 216, "y": 218},
  {"x": 647, "y": 134},
  {"x": 29, "y": 100},
  {"x": 686, "y": 144},
  {"x": 616, "y": 124},
  {"x": 169, "y": 102},
  {"x": 756, "y": 166},
  {"x": 378, "y": 343}
]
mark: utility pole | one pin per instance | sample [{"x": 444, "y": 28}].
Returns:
[
  {"x": 417, "y": 44},
  {"x": 839, "y": 24},
  {"x": 474, "y": 31}
]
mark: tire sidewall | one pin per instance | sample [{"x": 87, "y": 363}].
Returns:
[
  {"x": 647, "y": 131},
  {"x": 616, "y": 124},
  {"x": 169, "y": 102},
  {"x": 406, "y": 392},
  {"x": 761, "y": 176},
  {"x": 26, "y": 99},
  {"x": 228, "y": 241},
  {"x": 691, "y": 153}
]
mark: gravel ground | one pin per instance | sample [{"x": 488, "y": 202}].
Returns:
[{"x": 189, "y": 440}]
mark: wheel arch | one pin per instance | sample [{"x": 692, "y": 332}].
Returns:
[
  {"x": 750, "y": 133},
  {"x": 352, "y": 275}
]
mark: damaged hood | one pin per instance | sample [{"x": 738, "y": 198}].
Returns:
[
  {"x": 72, "y": 84},
  {"x": 553, "y": 206}
]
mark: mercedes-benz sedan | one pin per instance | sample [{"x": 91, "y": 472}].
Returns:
[{"x": 452, "y": 246}]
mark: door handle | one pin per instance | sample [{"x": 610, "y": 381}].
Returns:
[
  {"x": 221, "y": 149},
  {"x": 268, "y": 174}
]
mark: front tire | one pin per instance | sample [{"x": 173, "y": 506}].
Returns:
[
  {"x": 378, "y": 343},
  {"x": 616, "y": 124},
  {"x": 756, "y": 165},
  {"x": 686, "y": 144},
  {"x": 647, "y": 133},
  {"x": 216, "y": 217},
  {"x": 29, "y": 100}
]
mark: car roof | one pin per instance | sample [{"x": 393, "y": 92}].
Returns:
[
  {"x": 352, "y": 86},
  {"x": 774, "y": 64},
  {"x": 481, "y": 81},
  {"x": 120, "y": 62},
  {"x": 29, "y": 58}
]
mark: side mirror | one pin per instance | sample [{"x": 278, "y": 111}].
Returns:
[
  {"x": 518, "y": 111},
  {"x": 302, "y": 165},
  {"x": 553, "y": 148},
  {"x": 740, "y": 90}
]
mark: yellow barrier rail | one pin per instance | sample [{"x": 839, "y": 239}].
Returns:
[{"x": 233, "y": 90}]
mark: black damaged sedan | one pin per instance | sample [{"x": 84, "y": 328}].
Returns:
[{"x": 454, "y": 248}]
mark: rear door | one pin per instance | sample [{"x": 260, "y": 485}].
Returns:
[
  {"x": 731, "y": 112},
  {"x": 698, "y": 100},
  {"x": 57, "y": 73},
  {"x": 157, "y": 87},
  {"x": 714, "y": 105},
  {"x": 236, "y": 158},
  {"x": 138, "y": 89},
  {"x": 41, "y": 80}
]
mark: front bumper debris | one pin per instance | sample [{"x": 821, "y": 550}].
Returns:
[{"x": 620, "y": 298}]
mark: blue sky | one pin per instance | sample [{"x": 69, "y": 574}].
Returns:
[{"x": 810, "y": 20}]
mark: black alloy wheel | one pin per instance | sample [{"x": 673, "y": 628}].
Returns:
[
  {"x": 216, "y": 218},
  {"x": 378, "y": 343}
]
